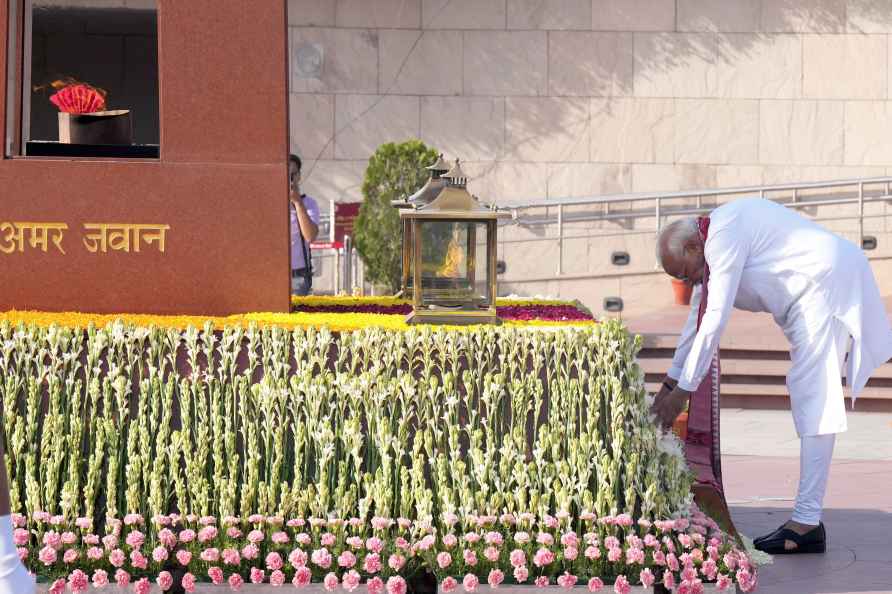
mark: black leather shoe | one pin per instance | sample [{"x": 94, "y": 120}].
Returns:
[
  {"x": 764, "y": 536},
  {"x": 813, "y": 541}
]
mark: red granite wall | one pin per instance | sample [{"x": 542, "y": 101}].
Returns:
[{"x": 220, "y": 183}]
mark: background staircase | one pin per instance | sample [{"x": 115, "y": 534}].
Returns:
[{"x": 755, "y": 361}]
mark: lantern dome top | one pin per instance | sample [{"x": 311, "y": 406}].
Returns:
[
  {"x": 456, "y": 176},
  {"x": 438, "y": 167}
]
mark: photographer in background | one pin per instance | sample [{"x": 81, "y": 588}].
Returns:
[{"x": 304, "y": 216}]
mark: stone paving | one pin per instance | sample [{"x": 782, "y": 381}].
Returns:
[{"x": 761, "y": 470}]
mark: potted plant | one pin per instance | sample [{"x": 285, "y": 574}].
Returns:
[{"x": 682, "y": 292}]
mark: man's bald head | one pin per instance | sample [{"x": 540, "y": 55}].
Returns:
[{"x": 680, "y": 250}]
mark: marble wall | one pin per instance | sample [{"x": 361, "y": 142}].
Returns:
[{"x": 546, "y": 99}]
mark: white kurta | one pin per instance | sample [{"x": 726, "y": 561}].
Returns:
[{"x": 818, "y": 287}]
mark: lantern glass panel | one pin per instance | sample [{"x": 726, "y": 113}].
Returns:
[{"x": 454, "y": 256}]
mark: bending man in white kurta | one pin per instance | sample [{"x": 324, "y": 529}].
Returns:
[{"x": 820, "y": 290}]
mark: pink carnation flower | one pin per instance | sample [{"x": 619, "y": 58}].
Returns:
[
  {"x": 297, "y": 558},
  {"x": 647, "y": 577},
  {"x": 122, "y": 578},
  {"x": 543, "y": 557},
  {"x": 188, "y": 582},
  {"x": 302, "y": 577},
  {"x": 184, "y": 557},
  {"x": 570, "y": 553},
  {"x": 207, "y": 534},
  {"x": 496, "y": 577},
  {"x": 164, "y": 581},
  {"x": 100, "y": 578},
  {"x": 491, "y": 554},
  {"x": 396, "y": 585},
  {"x": 210, "y": 555},
  {"x": 723, "y": 582},
  {"x": 470, "y": 582},
  {"x": 372, "y": 563},
  {"x": 274, "y": 561},
  {"x": 78, "y": 582},
  {"x": 470, "y": 557},
  {"x": 396, "y": 562},
  {"x": 567, "y": 580},
  {"x": 70, "y": 556},
  {"x": 621, "y": 585},
  {"x": 518, "y": 558},
  {"x": 448, "y": 585},
  {"x": 117, "y": 557},
  {"x": 231, "y": 557},
  {"x": 330, "y": 581},
  {"x": 277, "y": 578},
  {"x": 541, "y": 581},
  {"x": 167, "y": 538},
  {"x": 280, "y": 538},
  {"x": 346, "y": 559},
  {"x": 450, "y": 540},
  {"x": 47, "y": 555},
  {"x": 592, "y": 552},
  {"x": 233, "y": 532},
  {"x": 187, "y": 535},
  {"x": 53, "y": 539},
  {"x": 444, "y": 560},
  {"x": 216, "y": 575},
  {"x": 595, "y": 585},
  {"x": 375, "y": 585},
  {"x": 328, "y": 539},
  {"x": 322, "y": 558},
  {"x": 138, "y": 560},
  {"x": 257, "y": 575},
  {"x": 350, "y": 580},
  {"x": 159, "y": 554},
  {"x": 21, "y": 537},
  {"x": 135, "y": 539},
  {"x": 236, "y": 581},
  {"x": 142, "y": 586},
  {"x": 250, "y": 551},
  {"x": 521, "y": 574},
  {"x": 374, "y": 544}
]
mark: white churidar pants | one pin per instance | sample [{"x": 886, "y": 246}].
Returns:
[
  {"x": 818, "y": 348},
  {"x": 815, "y": 454}
]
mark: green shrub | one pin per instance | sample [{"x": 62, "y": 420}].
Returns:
[{"x": 394, "y": 172}]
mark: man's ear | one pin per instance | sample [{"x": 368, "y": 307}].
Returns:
[{"x": 693, "y": 246}]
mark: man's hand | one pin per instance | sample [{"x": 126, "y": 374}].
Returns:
[{"x": 669, "y": 406}]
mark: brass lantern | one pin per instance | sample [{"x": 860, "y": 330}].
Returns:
[
  {"x": 424, "y": 196},
  {"x": 453, "y": 241}
]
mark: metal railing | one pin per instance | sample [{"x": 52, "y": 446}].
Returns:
[
  {"x": 630, "y": 207},
  {"x": 559, "y": 212}
]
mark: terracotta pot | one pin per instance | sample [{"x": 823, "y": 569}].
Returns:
[
  {"x": 682, "y": 292},
  {"x": 680, "y": 426}
]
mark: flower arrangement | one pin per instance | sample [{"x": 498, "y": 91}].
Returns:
[
  {"x": 383, "y": 554},
  {"x": 339, "y": 314},
  {"x": 454, "y": 432}
]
